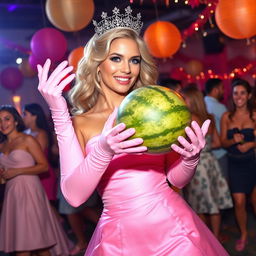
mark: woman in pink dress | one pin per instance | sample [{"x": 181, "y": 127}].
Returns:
[
  {"x": 141, "y": 215},
  {"x": 27, "y": 225}
]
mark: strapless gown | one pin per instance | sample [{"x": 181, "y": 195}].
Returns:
[
  {"x": 143, "y": 216},
  {"x": 27, "y": 222},
  {"x": 241, "y": 166}
]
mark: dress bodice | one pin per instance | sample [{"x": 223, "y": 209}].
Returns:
[
  {"x": 131, "y": 177},
  {"x": 18, "y": 158},
  {"x": 249, "y": 136}
]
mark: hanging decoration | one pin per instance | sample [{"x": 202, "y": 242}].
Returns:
[
  {"x": 163, "y": 39},
  {"x": 11, "y": 78},
  {"x": 202, "y": 19},
  {"x": 70, "y": 15},
  {"x": 75, "y": 56},
  {"x": 48, "y": 43},
  {"x": 236, "y": 18}
]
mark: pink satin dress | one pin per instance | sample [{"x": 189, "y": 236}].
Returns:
[
  {"x": 143, "y": 216},
  {"x": 27, "y": 221}
]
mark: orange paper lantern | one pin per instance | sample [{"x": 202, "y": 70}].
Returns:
[
  {"x": 70, "y": 15},
  {"x": 236, "y": 18},
  {"x": 75, "y": 56},
  {"x": 163, "y": 39}
]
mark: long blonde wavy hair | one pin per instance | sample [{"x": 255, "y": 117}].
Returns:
[{"x": 83, "y": 96}]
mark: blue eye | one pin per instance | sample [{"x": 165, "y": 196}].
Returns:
[
  {"x": 135, "y": 61},
  {"x": 115, "y": 59}
]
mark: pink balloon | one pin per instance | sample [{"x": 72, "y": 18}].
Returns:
[
  {"x": 33, "y": 61},
  {"x": 11, "y": 78},
  {"x": 48, "y": 43}
]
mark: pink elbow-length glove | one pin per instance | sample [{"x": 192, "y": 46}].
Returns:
[
  {"x": 80, "y": 175},
  {"x": 183, "y": 170}
]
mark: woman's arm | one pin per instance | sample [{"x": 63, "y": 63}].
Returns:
[
  {"x": 81, "y": 174},
  {"x": 42, "y": 139},
  {"x": 41, "y": 165}
]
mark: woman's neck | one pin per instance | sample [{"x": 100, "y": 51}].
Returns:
[
  {"x": 13, "y": 136},
  {"x": 109, "y": 101}
]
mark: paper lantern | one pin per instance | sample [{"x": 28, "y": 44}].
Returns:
[
  {"x": 48, "y": 43},
  {"x": 70, "y": 15},
  {"x": 75, "y": 56},
  {"x": 26, "y": 69},
  {"x": 236, "y": 18},
  {"x": 194, "y": 67},
  {"x": 11, "y": 78},
  {"x": 163, "y": 39}
]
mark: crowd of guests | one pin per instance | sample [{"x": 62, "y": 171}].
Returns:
[{"x": 225, "y": 175}]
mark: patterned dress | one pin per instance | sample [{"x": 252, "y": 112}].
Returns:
[{"x": 208, "y": 191}]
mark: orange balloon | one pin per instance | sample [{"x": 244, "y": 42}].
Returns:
[
  {"x": 75, "y": 56},
  {"x": 163, "y": 39},
  {"x": 26, "y": 69},
  {"x": 236, "y": 18},
  {"x": 70, "y": 15},
  {"x": 194, "y": 67}
]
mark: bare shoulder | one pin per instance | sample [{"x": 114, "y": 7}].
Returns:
[
  {"x": 254, "y": 116},
  {"x": 28, "y": 139},
  {"x": 226, "y": 115}
]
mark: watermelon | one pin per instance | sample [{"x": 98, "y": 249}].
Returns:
[{"x": 158, "y": 114}]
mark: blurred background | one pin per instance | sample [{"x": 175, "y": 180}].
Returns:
[{"x": 192, "y": 40}]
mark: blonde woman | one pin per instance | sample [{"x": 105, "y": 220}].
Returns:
[{"x": 141, "y": 215}]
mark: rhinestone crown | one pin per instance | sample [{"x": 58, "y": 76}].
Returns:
[{"x": 118, "y": 20}]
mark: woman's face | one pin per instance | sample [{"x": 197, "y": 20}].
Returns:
[
  {"x": 120, "y": 70},
  {"x": 240, "y": 96},
  {"x": 7, "y": 122},
  {"x": 28, "y": 119}
]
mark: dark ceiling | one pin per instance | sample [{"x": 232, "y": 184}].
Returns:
[{"x": 30, "y": 15}]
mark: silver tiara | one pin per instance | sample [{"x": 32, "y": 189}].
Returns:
[{"x": 118, "y": 20}]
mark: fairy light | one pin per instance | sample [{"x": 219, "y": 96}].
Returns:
[
  {"x": 186, "y": 2},
  {"x": 205, "y": 33},
  {"x": 176, "y": 1},
  {"x": 201, "y": 16}
]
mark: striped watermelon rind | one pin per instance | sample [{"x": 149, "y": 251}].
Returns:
[{"x": 158, "y": 114}]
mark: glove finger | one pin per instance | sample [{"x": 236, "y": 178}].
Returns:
[
  {"x": 59, "y": 78},
  {"x": 65, "y": 82},
  {"x": 180, "y": 150},
  {"x": 121, "y": 135},
  {"x": 139, "y": 149},
  {"x": 184, "y": 143},
  {"x": 205, "y": 126},
  {"x": 57, "y": 70},
  {"x": 45, "y": 72},
  {"x": 192, "y": 136},
  {"x": 39, "y": 72},
  {"x": 130, "y": 143}
]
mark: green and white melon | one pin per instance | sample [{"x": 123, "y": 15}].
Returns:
[{"x": 158, "y": 114}]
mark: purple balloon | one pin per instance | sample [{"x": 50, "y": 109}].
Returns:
[
  {"x": 48, "y": 43},
  {"x": 11, "y": 78},
  {"x": 33, "y": 61}
]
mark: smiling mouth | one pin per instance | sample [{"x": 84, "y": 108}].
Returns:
[{"x": 123, "y": 79}]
